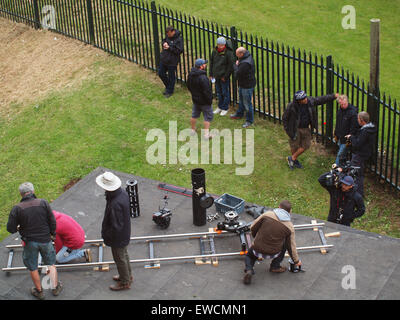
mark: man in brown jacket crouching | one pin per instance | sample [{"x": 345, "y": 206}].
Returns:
[{"x": 273, "y": 234}]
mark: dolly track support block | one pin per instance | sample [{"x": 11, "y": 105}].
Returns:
[
  {"x": 332, "y": 234},
  {"x": 102, "y": 268}
]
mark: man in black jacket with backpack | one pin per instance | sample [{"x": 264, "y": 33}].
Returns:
[{"x": 200, "y": 88}]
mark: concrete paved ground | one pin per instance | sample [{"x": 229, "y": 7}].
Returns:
[{"x": 373, "y": 258}]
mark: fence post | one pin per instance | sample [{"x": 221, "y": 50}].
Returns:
[
  {"x": 155, "y": 33},
  {"x": 329, "y": 105},
  {"x": 90, "y": 20},
  {"x": 372, "y": 104},
  {"x": 234, "y": 82},
  {"x": 36, "y": 13}
]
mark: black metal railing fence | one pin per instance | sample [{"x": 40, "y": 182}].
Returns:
[{"x": 133, "y": 30}]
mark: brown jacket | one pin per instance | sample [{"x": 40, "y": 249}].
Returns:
[{"x": 270, "y": 234}]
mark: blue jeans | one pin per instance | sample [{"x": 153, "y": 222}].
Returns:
[
  {"x": 245, "y": 103},
  {"x": 223, "y": 93},
  {"x": 341, "y": 155},
  {"x": 63, "y": 256},
  {"x": 31, "y": 251},
  {"x": 168, "y": 76}
]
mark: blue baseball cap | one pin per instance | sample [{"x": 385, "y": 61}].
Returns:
[
  {"x": 347, "y": 180},
  {"x": 300, "y": 95},
  {"x": 199, "y": 62}
]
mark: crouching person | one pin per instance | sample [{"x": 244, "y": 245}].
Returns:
[
  {"x": 273, "y": 234},
  {"x": 70, "y": 237}
]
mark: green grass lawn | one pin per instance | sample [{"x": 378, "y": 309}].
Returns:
[
  {"x": 313, "y": 25},
  {"x": 105, "y": 123}
]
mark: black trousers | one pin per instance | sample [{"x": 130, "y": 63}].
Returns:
[{"x": 250, "y": 259}]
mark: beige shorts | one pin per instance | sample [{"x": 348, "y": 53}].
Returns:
[{"x": 303, "y": 140}]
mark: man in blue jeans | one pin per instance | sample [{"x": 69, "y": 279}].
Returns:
[
  {"x": 35, "y": 222},
  {"x": 245, "y": 74}
]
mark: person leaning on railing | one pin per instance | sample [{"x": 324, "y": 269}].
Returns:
[{"x": 299, "y": 120}]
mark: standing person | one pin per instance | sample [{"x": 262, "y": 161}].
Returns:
[
  {"x": 346, "y": 123},
  {"x": 200, "y": 88},
  {"x": 116, "y": 227},
  {"x": 221, "y": 68},
  {"x": 35, "y": 222},
  {"x": 273, "y": 234},
  {"x": 245, "y": 73},
  {"x": 299, "y": 120},
  {"x": 69, "y": 239},
  {"x": 172, "y": 48},
  {"x": 346, "y": 203},
  {"x": 362, "y": 146}
]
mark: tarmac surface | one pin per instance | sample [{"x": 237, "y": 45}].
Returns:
[{"x": 361, "y": 265}]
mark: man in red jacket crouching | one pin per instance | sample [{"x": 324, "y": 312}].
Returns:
[{"x": 70, "y": 238}]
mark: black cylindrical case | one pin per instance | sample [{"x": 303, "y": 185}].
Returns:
[
  {"x": 199, "y": 190},
  {"x": 132, "y": 190}
]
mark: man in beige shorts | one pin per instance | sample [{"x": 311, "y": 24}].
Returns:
[{"x": 299, "y": 119}]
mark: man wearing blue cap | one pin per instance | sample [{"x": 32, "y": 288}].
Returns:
[
  {"x": 200, "y": 88},
  {"x": 346, "y": 203},
  {"x": 299, "y": 121}
]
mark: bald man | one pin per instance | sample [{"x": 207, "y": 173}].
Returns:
[{"x": 245, "y": 74}]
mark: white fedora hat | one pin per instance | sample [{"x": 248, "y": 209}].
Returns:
[{"x": 108, "y": 181}]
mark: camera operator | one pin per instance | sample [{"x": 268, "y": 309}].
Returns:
[
  {"x": 346, "y": 123},
  {"x": 362, "y": 144},
  {"x": 346, "y": 203}
]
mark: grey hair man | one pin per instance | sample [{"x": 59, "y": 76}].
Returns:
[{"x": 33, "y": 218}]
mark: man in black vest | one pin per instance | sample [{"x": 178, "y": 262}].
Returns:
[
  {"x": 34, "y": 220},
  {"x": 116, "y": 228}
]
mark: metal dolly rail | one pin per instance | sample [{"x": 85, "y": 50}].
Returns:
[{"x": 153, "y": 262}]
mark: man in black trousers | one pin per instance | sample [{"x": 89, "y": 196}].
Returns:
[
  {"x": 172, "y": 48},
  {"x": 116, "y": 228}
]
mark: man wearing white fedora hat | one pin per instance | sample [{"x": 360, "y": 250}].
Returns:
[{"x": 116, "y": 227}]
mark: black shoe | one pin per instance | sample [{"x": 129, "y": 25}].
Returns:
[
  {"x": 290, "y": 162},
  {"x": 297, "y": 164},
  {"x": 167, "y": 95}
]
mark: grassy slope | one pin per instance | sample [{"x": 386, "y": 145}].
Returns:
[
  {"x": 105, "y": 123},
  {"x": 313, "y": 25}
]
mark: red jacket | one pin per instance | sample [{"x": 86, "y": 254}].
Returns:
[{"x": 68, "y": 232}]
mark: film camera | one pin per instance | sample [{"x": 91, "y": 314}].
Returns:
[
  {"x": 232, "y": 223},
  {"x": 162, "y": 217},
  {"x": 335, "y": 175}
]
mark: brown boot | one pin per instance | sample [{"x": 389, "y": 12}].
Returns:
[
  {"x": 119, "y": 286},
  {"x": 278, "y": 270},
  {"x": 116, "y": 278}
]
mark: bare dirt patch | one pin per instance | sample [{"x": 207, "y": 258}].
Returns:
[{"x": 35, "y": 62}]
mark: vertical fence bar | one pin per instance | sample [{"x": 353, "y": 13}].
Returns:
[
  {"x": 36, "y": 13},
  {"x": 329, "y": 105},
  {"x": 89, "y": 10}
]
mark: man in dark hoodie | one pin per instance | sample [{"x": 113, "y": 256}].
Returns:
[
  {"x": 245, "y": 73},
  {"x": 346, "y": 123},
  {"x": 116, "y": 227},
  {"x": 346, "y": 203},
  {"x": 172, "y": 48},
  {"x": 200, "y": 88},
  {"x": 221, "y": 67},
  {"x": 362, "y": 144},
  {"x": 273, "y": 234},
  {"x": 299, "y": 120}
]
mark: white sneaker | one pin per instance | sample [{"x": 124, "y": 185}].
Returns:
[
  {"x": 224, "y": 112},
  {"x": 218, "y": 110}
]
